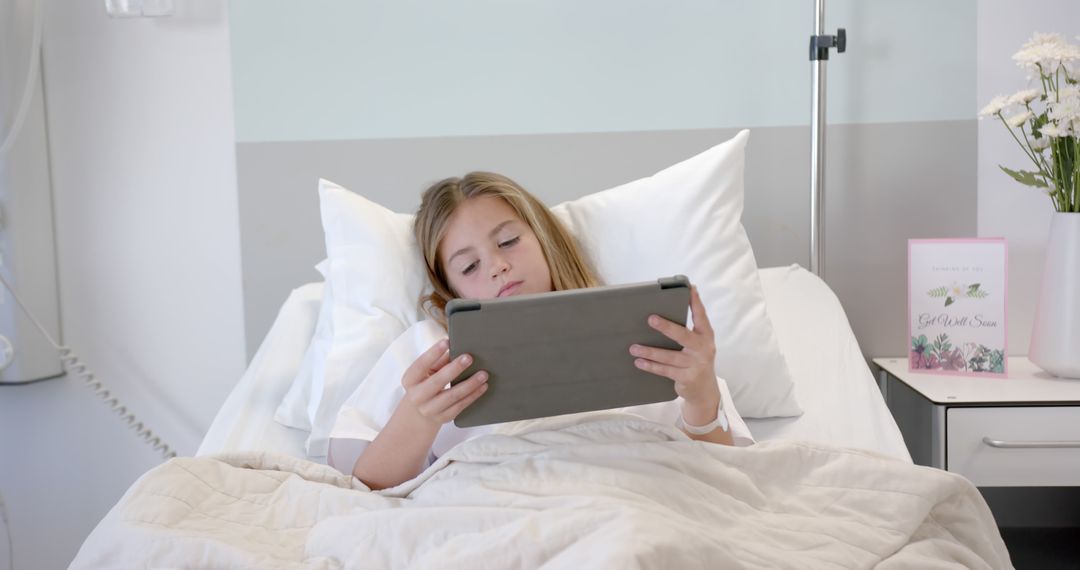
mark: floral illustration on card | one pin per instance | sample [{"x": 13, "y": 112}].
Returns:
[
  {"x": 957, "y": 291},
  {"x": 940, "y": 354}
]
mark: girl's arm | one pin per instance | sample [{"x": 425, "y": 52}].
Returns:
[{"x": 400, "y": 451}]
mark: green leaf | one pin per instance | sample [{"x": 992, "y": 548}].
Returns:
[
  {"x": 1026, "y": 177},
  {"x": 997, "y": 361},
  {"x": 948, "y": 301},
  {"x": 973, "y": 287}
]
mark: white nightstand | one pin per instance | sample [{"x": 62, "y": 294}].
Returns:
[{"x": 1020, "y": 431}]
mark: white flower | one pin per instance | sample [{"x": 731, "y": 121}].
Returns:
[
  {"x": 1040, "y": 144},
  {"x": 1023, "y": 97},
  {"x": 1046, "y": 52},
  {"x": 1019, "y": 119},
  {"x": 994, "y": 106},
  {"x": 1053, "y": 131},
  {"x": 1068, "y": 92},
  {"x": 1067, "y": 109}
]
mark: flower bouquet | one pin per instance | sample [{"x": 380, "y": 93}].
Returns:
[{"x": 1046, "y": 119}]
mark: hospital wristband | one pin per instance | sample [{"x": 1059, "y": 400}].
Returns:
[{"x": 721, "y": 422}]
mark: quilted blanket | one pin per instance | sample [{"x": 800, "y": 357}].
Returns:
[{"x": 607, "y": 492}]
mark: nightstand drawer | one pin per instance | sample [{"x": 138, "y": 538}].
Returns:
[{"x": 1015, "y": 446}]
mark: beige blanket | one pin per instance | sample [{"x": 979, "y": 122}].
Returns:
[{"x": 608, "y": 492}]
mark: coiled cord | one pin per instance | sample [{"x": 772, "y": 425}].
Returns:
[{"x": 73, "y": 365}]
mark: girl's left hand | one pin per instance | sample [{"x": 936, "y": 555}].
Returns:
[{"x": 692, "y": 367}]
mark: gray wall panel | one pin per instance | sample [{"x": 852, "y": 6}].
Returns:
[
  {"x": 885, "y": 184},
  {"x": 888, "y": 183}
]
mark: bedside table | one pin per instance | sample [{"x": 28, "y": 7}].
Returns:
[{"x": 1020, "y": 431}]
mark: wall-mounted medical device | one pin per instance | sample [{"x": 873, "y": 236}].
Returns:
[{"x": 27, "y": 252}]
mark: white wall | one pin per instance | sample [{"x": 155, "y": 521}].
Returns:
[
  {"x": 1006, "y": 208},
  {"x": 142, "y": 154}
]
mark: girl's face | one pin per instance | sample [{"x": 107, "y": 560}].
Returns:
[{"x": 489, "y": 251}]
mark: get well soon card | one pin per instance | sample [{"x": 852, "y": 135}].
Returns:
[{"x": 956, "y": 306}]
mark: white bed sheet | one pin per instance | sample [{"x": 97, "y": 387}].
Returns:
[
  {"x": 841, "y": 401},
  {"x": 833, "y": 384}
]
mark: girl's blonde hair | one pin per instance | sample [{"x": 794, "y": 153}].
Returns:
[{"x": 565, "y": 262}]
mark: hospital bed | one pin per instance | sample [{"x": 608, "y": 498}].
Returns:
[{"x": 832, "y": 488}]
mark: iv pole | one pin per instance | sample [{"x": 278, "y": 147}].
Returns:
[{"x": 819, "y": 54}]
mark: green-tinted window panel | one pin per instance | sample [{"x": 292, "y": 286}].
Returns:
[{"x": 350, "y": 69}]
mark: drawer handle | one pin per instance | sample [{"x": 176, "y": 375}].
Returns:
[{"x": 1028, "y": 444}]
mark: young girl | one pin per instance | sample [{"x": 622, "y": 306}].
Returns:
[{"x": 484, "y": 236}]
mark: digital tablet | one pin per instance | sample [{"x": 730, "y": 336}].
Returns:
[{"x": 566, "y": 351}]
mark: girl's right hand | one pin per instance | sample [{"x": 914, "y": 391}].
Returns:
[{"x": 426, "y": 381}]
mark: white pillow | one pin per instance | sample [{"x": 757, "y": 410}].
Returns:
[
  {"x": 374, "y": 278},
  {"x": 687, "y": 219},
  {"x": 684, "y": 219}
]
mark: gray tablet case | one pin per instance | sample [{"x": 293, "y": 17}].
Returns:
[{"x": 566, "y": 351}]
